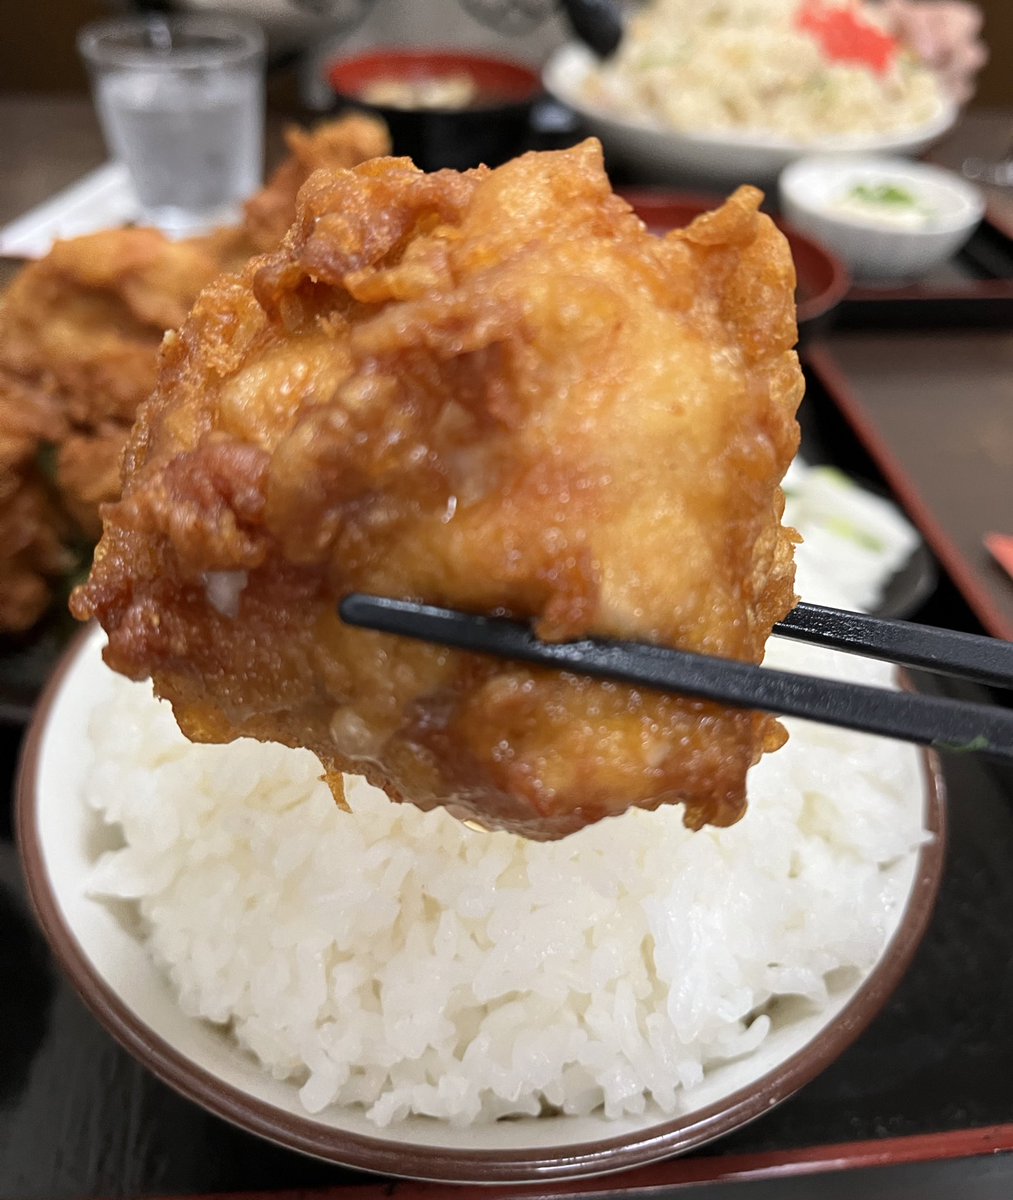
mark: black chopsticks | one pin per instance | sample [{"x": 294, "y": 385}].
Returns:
[
  {"x": 952, "y": 725},
  {"x": 942, "y": 651}
]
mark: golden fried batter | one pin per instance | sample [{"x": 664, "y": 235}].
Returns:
[
  {"x": 32, "y": 527},
  {"x": 267, "y": 216},
  {"x": 80, "y": 331},
  {"x": 79, "y": 338},
  {"x": 88, "y": 474},
  {"x": 83, "y": 324},
  {"x": 489, "y": 390}
]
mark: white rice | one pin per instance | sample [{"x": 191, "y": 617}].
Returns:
[{"x": 402, "y": 962}]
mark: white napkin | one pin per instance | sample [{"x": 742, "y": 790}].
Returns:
[{"x": 102, "y": 199}]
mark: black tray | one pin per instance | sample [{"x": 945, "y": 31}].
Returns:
[
  {"x": 972, "y": 291},
  {"x": 26, "y": 663}
]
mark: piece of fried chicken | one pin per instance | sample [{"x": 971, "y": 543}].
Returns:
[
  {"x": 79, "y": 337},
  {"x": 80, "y": 330},
  {"x": 83, "y": 324},
  {"x": 489, "y": 390},
  {"x": 33, "y": 529}
]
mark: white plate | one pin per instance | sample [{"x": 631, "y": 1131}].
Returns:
[
  {"x": 726, "y": 159},
  {"x": 98, "y": 945}
]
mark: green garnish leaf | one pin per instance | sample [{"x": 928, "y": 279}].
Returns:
[
  {"x": 861, "y": 537},
  {"x": 890, "y": 194},
  {"x": 979, "y": 743},
  {"x": 836, "y": 476},
  {"x": 45, "y": 458}
]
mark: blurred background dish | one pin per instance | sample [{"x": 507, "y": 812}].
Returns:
[
  {"x": 887, "y": 218},
  {"x": 646, "y": 147},
  {"x": 858, "y": 550},
  {"x": 181, "y": 101},
  {"x": 444, "y": 108}
]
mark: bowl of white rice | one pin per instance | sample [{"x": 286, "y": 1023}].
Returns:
[{"x": 394, "y": 991}]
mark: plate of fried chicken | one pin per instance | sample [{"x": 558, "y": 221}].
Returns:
[{"x": 80, "y": 331}]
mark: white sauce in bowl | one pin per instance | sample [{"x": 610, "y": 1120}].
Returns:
[{"x": 887, "y": 204}]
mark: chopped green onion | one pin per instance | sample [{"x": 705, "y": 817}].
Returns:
[
  {"x": 884, "y": 193},
  {"x": 975, "y": 745},
  {"x": 851, "y": 532}
]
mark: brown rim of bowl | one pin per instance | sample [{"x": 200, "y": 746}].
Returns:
[{"x": 603, "y": 1156}]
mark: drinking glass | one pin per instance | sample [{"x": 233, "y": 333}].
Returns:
[{"x": 181, "y": 102}]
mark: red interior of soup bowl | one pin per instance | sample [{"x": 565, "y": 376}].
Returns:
[{"x": 498, "y": 81}]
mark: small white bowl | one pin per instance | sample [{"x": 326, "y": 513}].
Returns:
[
  {"x": 659, "y": 154},
  {"x": 813, "y": 188}
]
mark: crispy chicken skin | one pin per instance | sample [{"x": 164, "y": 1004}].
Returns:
[
  {"x": 83, "y": 325},
  {"x": 353, "y": 139},
  {"x": 490, "y": 390},
  {"x": 79, "y": 336}
]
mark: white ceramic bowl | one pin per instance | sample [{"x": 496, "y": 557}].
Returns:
[
  {"x": 659, "y": 154},
  {"x": 812, "y": 187},
  {"x": 99, "y": 946}
]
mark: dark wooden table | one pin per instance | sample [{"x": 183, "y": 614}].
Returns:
[{"x": 80, "y": 1119}]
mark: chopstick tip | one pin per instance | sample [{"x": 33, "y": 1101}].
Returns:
[{"x": 353, "y": 609}]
